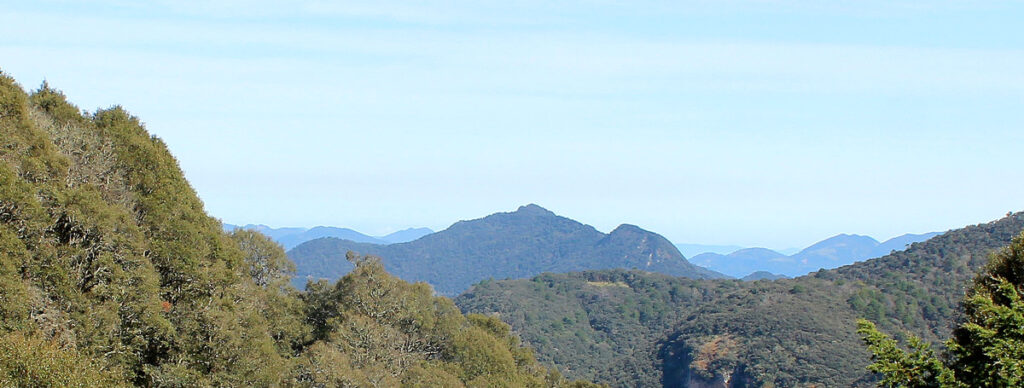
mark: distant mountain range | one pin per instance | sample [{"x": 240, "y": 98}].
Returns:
[
  {"x": 763, "y": 275},
  {"x": 520, "y": 244},
  {"x": 731, "y": 260},
  {"x": 691, "y": 250},
  {"x": 830, "y": 253},
  {"x": 291, "y": 237}
]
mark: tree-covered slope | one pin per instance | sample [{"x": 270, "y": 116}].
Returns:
[
  {"x": 110, "y": 253},
  {"x": 112, "y": 274},
  {"x": 791, "y": 332},
  {"x": 613, "y": 317},
  {"x": 519, "y": 244}
]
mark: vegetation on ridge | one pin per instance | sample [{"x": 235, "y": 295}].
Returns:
[{"x": 111, "y": 273}]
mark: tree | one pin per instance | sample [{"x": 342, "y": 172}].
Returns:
[
  {"x": 899, "y": 368},
  {"x": 987, "y": 347},
  {"x": 267, "y": 261},
  {"x": 31, "y": 361}
]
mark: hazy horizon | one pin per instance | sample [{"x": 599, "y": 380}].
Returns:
[{"x": 773, "y": 124}]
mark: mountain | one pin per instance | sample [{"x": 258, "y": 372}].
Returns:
[
  {"x": 519, "y": 244},
  {"x": 640, "y": 329},
  {"x": 835, "y": 251},
  {"x": 113, "y": 275},
  {"x": 832, "y": 252},
  {"x": 274, "y": 233},
  {"x": 404, "y": 235},
  {"x": 846, "y": 249},
  {"x": 291, "y": 237},
  {"x": 741, "y": 262},
  {"x": 293, "y": 240},
  {"x": 901, "y": 242},
  {"x": 763, "y": 275},
  {"x": 691, "y": 250}
]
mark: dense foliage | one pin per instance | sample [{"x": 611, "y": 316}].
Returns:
[
  {"x": 987, "y": 347},
  {"x": 519, "y": 244},
  {"x": 789, "y": 332},
  {"x": 111, "y": 274},
  {"x": 382, "y": 331},
  {"x": 614, "y": 317}
]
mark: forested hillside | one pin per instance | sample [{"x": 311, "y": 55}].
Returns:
[
  {"x": 613, "y": 317},
  {"x": 790, "y": 332},
  {"x": 518, "y": 244},
  {"x": 112, "y": 274}
]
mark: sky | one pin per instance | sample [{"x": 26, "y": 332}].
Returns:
[{"x": 761, "y": 123}]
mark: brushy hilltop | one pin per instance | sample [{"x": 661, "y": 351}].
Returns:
[
  {"x": 112, "y": 274},
  {"x": 640, "y": 329}
]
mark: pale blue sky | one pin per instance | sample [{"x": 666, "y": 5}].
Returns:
[{"x": 772, "y": 123}]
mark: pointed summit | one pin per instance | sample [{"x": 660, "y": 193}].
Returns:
[
  {"x": 533, "y": 210},
  {"x": 627, "y": 228},
  {"x": 519, "y": 244}
]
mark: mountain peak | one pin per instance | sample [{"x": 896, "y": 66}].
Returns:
[
  {"x": 533, "y": 210},
  {"x": 519, "y": 244},
  {"x": 759, "y": 253},
  {"x": 624, "y": 228},
  {"x": 844, "y": 238}
]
